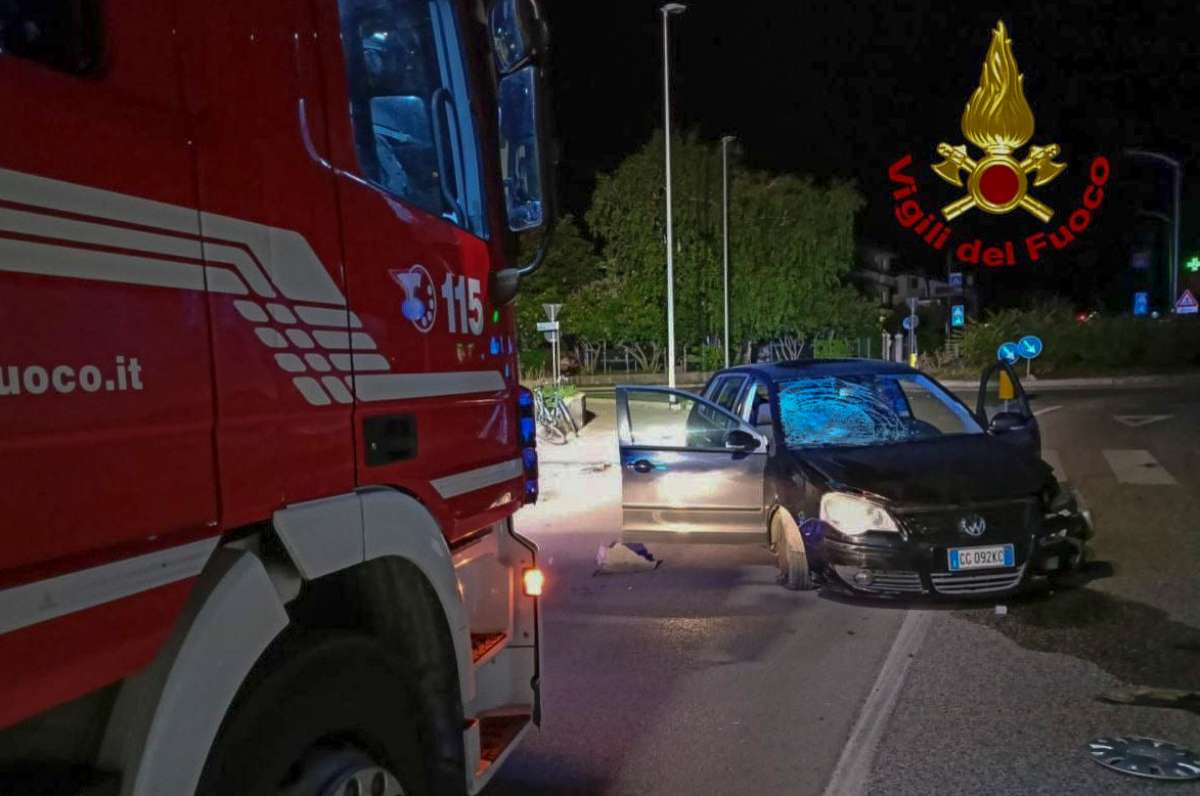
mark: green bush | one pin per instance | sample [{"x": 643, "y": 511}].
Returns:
[
  {"x": 831, "y": 348},
  {"x": 712, "y": 357},
  {"x": 560, "y": 392},
  {"x": 1100, "y": 344}
]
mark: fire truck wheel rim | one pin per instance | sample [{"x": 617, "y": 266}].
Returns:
[{"x": 346, "y": 771}]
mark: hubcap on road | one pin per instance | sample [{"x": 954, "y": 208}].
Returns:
[{"x": 1145, "y": 757}]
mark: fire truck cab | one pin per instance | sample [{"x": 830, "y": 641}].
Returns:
[{"x": 261, "y": 433}]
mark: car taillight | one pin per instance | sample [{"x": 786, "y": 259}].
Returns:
[{"x": 527, "y": 434}]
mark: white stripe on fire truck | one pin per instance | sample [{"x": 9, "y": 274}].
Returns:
[
  {"x": 399, "y": 386},
  {"x": 462, "y": 483},
  {"x": 239, "y": 257},
  {"x": 43, "y": 600}
]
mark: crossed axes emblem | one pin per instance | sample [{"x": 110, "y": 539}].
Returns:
[{"x": 998, "y": 182}]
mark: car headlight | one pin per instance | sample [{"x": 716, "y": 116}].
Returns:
[{"x": 853, "y": 515}]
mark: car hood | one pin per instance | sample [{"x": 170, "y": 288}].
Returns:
[{"x": 958, "y": 469}]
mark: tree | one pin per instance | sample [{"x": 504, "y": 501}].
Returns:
[
  {"x": 571, "y": 263},
  {"x": 792, "y": 245}
]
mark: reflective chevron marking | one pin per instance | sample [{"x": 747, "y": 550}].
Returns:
[{"x": 61, "y": 229}]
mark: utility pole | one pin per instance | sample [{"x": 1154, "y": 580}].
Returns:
[
  {"x": 1173, "y": 277},
  {"x": 725, "y": 141},
  {"x": 667, "y": 10}
]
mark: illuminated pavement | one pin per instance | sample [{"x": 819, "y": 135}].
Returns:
[{"x": 705, "y": 677}]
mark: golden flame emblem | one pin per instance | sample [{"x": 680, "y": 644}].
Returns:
[{"x": 999, "y": 121}]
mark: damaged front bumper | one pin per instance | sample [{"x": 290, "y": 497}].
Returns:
[{"x": 892, "y": 564}]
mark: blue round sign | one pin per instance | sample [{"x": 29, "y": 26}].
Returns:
[
  {"x": 910, "y": 322},
  {"x": 1008, "y": 352},
  {"x": 1030, "y": 346}
]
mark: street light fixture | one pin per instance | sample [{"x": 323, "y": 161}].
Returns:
[
  {"x": 667, "y": 10},
  {"x": 725, "y": 142},
  {"x": 1173, "y": 280}
]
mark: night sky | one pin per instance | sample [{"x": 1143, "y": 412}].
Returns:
[{"x": 842, "y": 89}]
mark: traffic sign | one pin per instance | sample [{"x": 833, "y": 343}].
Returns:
[
  {"x": 547, "y": 326},
  {"x": 1009, "y": 352},
  {"x": 1141, "y": 303},
  {"x": 1140, "y": 260},
  {"x": 910, "y": 322},
  {"x": 551, "y": 337},
  {"x": 1186, "y": 305},
  {"x": 956, "y": 279},
  {"x": 958, "y": 316},
  {"x": 1030, "y": 346},
  {"x": 552, "y": 310}
]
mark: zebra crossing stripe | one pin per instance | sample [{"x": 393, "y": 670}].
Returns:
[{"x": 1138, "y": 467}]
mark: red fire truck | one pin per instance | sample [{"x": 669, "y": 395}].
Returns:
[{"x": 261, "y": 436}]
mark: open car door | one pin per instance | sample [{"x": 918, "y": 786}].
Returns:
[
  {"x": 690, "y": 471},
  {"x": 1004, "y": 411}
]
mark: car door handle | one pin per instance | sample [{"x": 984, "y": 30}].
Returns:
[{"x": 642, "y": 466}]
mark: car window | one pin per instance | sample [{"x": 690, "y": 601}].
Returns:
[
  {"x": 868, "y": 409},
  {"x": 409, "y": 105},
  {"x": 672, "y": 420},
  {"x": 929, "y": 408},
  {"x": 728, "y": 394},
  {"x": 714, "y": 388},
  {"x": 758, "y": 395}
]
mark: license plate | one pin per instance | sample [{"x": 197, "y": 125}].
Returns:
[{"x": 1000, "y": 555}]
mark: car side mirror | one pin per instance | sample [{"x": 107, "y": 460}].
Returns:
[
  {"x": 741, "y": 440},
  {"x": 1007, "y": 421}
]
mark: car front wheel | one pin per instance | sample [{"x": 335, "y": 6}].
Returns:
[{"x": 790, "y": 555}]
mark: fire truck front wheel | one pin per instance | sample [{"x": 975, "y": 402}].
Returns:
[{"x": 322, "y": 714}]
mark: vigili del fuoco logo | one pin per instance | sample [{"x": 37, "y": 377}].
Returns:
[{"x": 999, "y": 180}]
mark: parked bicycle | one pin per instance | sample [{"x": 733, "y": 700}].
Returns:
[{"x": 553, "y": 417}]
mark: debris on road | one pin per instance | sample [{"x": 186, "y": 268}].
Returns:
[
  {"x": 624, "y": 557},
  {"x": 1145, "y": 757},
  {"x": 1143, "y": 696}
]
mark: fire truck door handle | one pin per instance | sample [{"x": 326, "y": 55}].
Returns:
[
  {"x": 306, "y": 136},
  {"x": 440, "y": 101}
]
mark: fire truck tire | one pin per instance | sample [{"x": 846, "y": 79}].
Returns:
[{"x": 319, "y": 709}]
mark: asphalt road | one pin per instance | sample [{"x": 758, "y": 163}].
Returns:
[{"x": 703, "y": 676}]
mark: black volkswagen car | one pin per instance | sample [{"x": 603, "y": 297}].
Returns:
[{"x": 860, "y": 475}]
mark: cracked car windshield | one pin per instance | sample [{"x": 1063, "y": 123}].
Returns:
[{"x": 865, "y": 410}]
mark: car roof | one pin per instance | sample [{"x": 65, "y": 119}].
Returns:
[{"x": 799, "y": 368}]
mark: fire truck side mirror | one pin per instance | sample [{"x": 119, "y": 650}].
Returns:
[
  {"x": 520, "y": 42},
  {"x": 519, "y": 33}
]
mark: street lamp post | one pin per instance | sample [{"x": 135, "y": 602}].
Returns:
[
  {"x": 725, "y": 141},
  {"x": 1173, "y": 280},
  {"x": 667, "y": 11}
]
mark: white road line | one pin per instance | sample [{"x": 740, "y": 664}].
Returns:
[
  {"x": 1051, "y": 457},
  {"x": 1138, "y": 467},
  {"x": 1137, "y": 421},
  {"x": 1045, "y": 410},
  {"x": 853, "y": 770}
]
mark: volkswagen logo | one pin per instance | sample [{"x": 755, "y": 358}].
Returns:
[{"x": 972, "y": 525}]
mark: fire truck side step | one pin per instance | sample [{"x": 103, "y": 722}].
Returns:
[
  {"x": 497, "y": 733},
  {"x": 484, "y": 643}
]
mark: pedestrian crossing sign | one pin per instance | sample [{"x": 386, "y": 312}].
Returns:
[{"x": 1186, "y": 305}]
